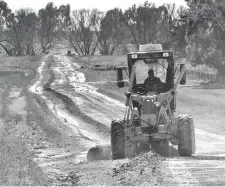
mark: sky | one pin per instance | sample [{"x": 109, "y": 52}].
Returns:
[{"x": 102, "y": 5}]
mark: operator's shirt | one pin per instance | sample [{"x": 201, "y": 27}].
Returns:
[{"x": 152, "y": 80}]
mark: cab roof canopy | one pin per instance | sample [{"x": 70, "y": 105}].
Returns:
[{"x": 150, "y": 51}]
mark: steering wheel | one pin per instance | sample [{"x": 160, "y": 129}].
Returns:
[{"x": 139, "y": 89}]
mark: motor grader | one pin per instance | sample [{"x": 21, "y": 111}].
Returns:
[{"x": 149, "y": 122}]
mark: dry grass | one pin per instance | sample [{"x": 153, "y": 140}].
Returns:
[
  {"x": 102, "y": 60},
  {"x": 206, "y": 106},
  {"x": 99, "y": 76},
  {"x": 16, "y": 160},
  {"x": 203, "y": 68},
  {"x": 20, "y": 62}
]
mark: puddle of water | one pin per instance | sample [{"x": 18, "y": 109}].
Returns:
[{"x": 36, "y": 88}]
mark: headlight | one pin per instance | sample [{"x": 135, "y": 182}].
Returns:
[
  {"x": 166, "y": 55},
  {"x": 134, "y": 56}
]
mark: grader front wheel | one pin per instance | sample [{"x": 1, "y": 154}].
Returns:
[
  {"x": 117, "y": 139},
  {"x": 186, "y": 145}
]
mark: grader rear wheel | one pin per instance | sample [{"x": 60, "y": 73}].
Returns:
[
  {"x": 117, "y": 139},
  {"x": 186, "y": 145}
]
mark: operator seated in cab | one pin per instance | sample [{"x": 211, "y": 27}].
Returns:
[{"x": 151, "y": 78}]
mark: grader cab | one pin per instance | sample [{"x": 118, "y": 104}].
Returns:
[{"x": 149, "y": 121}]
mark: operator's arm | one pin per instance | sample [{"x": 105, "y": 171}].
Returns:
[
  {"x": 157, "y": 80},
  {"x": 146, "y": 81}
]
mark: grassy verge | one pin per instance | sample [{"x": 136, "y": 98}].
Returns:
[
  {"x": 16, "y": 136},
  {"x": 16, "y": 156},
  {"x": 29, "y": 62},
  {"x": 17, "y": 165},
  {"x": 206, "y": 106}
]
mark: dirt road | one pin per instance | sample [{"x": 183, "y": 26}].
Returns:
[
  {"x": 88, "y": 114},
  {"x": 58, "y": 116},
  {"x": 76, "y": 103}
]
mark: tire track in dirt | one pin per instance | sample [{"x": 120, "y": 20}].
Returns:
[
  {"x": 206, "y": 167},
  {"x": 73, "y": 109},
  {"x": 56, "y": 161},
  {"x": 206, "y": 171},
  {"x": 69, "y": 113},
  {"x": 91, "y": 103}
]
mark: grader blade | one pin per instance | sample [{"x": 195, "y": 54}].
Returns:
[{"x": 99, "y": 152}]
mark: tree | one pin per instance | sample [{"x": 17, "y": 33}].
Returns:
[
  {"x": 112, "y": 32},
  {"x": 82, "y": 35},
  {"x": 48, "y": 26},
  {"x": 178, "y": 32},
  {"x": 64, "y": 20},
  {"x": 204, "y": 31},
  {"x": 147, "y": 23},
  {"x": 32, "y": 22},
  {"x": 19, "y": 32},
  {"x": 64, "y": 15},
  {"x": 164, "y": 26},
  {"x": 5, "y": 12}
]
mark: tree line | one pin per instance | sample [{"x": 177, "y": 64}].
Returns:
[{"x": 200, "y": 26}]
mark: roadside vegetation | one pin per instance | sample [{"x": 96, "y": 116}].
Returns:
[
  {"x": 195, "y": 31},
  {"x": 16, "y": 157},
  {"x": 16, "y": 160}
]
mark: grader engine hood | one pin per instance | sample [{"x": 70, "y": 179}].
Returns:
[
  {"x": 148, "y": 110},
  {"x": 148, "y": 116}
]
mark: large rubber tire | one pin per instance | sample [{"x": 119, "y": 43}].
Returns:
[
  {"x": 186, "y": 145},
  {"x": 117, "y": 139}
]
